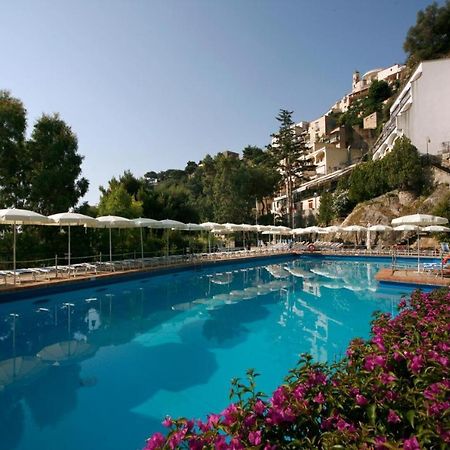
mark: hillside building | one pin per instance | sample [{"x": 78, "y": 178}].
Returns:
[{"x": 421, "y": 112}]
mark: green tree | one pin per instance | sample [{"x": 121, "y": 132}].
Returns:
[
  {"x": 174, "y": 201},
  {"x": 379, "y": 91},
  {"x": 404, "y": 167},
  {"x": 326, "y": 209},
  {"x": 131, "y": 183},
  {"x": 229, "y": 183},
  {"x": 54, "y": 172},
  {"x": 118, "y": 202},
  {"x": 13, "y": 160},
  {"x": 429, "y": 38},
  {"x": 289, "y": 153}
]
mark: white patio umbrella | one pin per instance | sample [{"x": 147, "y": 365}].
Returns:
[
  {"x": 333, "y": 229},
  {"x": 71, "y": 219},
  {"x": 436, "y": 229},
  {"x": 143, "y": 222},
  {"x": 12, "y": 216},
  {"x": 354, "y": 229},
  {"x": 209, "y": 226},
  {"x": 378, "y": 228},
  {"x": 296, "y": 231},
  {"x": 410, "y": 227},
  {"x": 422, "y": 220},
  {"x": 193, "y": 227},
  {"x": 111, "y": 222},
  {"x": 284, "y": 230},
  {"x": 169, "y": 224}
]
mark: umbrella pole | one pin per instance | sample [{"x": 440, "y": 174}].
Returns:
[
  {"x": 68, "y": 248},
  {"x": 110, "y": 247},
  {"x": 142, "y": 249},
  {"x": 167, "y": 243},
  {"x": 14, "y": 251},
  {"x": 418, "y": 252}
]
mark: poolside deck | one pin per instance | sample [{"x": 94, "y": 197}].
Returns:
[
  {"x": 59, "y": 278},
  {"x": 411, "y": 276}
]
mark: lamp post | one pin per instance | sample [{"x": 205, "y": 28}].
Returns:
[{"x": 428, "y": 142}]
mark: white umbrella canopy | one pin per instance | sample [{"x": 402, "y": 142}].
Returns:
[
  {"x": 313, "y": 229},
  {"x": 299, "y": 231},
  {"x": 71, "y": 219},
  {"x": 146, "y": 223},
  {"x": 246, "y": 227},
  {"x": 411, "y": 227},
  {"x": 333, "y": 229},
  {"x": 232, "y": 226},
  {"x": 379, "y": 228},
  {"x": 354, "y": 228},
  {"x": 420, "y": 219},
  {"x": 111, "y": 222},
  {"x": 436, "y": 229},
  {"x": 143, "y": 222},
  {"x": 284, "y": 230},
  {"x": 210, "y": 225},
  {"x": 407, "y": 227},
  {"x": 171, "y": 224},
  {"x": 13, "y": 216},
  {"x": 193, "y": 227}
]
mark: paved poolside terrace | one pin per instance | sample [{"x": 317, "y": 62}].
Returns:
[{"x": 78, "y": 274}]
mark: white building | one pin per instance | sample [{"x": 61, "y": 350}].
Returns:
[{"x": 421, "y": 112}]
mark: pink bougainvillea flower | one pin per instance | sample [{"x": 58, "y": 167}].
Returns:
[
  {"x": 319, "y": 398},
  {"x": 411, "y": 444},
  {"x": 259, "y": 407},
  {"x": 254, "y": 437},
  {"x": 416, "y": 363},
  {"x": 379, "y": 442},
  {"x": 155, "y": 442},
  {"x": 387, "y": 378},
  {"x": 167, "y": 422},
  {"x": 393, "y": 417},
  {"x": 361, "y": 400}
]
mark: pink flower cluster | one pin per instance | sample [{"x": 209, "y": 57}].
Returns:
[{"x": 385, "y": 390}]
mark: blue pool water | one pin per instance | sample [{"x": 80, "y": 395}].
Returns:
[{"x": 99, "y": 368}]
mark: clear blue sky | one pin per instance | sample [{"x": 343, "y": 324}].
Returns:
[{"x": 151, "y": 84}]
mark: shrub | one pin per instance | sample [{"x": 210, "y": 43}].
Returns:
[{"x": 389, "y": 392}]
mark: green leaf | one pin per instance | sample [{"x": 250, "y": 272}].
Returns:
[
  {"x": 371, "y": 413},
  {"x": 410, "y": 416}
]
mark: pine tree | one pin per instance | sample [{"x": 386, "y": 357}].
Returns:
[{"x": 290, "y": 156}]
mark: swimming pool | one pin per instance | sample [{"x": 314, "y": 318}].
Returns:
[{"x": 100, "y": 367}]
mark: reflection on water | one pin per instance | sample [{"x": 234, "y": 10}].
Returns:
[{"x": 78, "y": 367}]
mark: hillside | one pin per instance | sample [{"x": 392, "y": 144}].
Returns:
[{"x": 382, "y": 209}]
